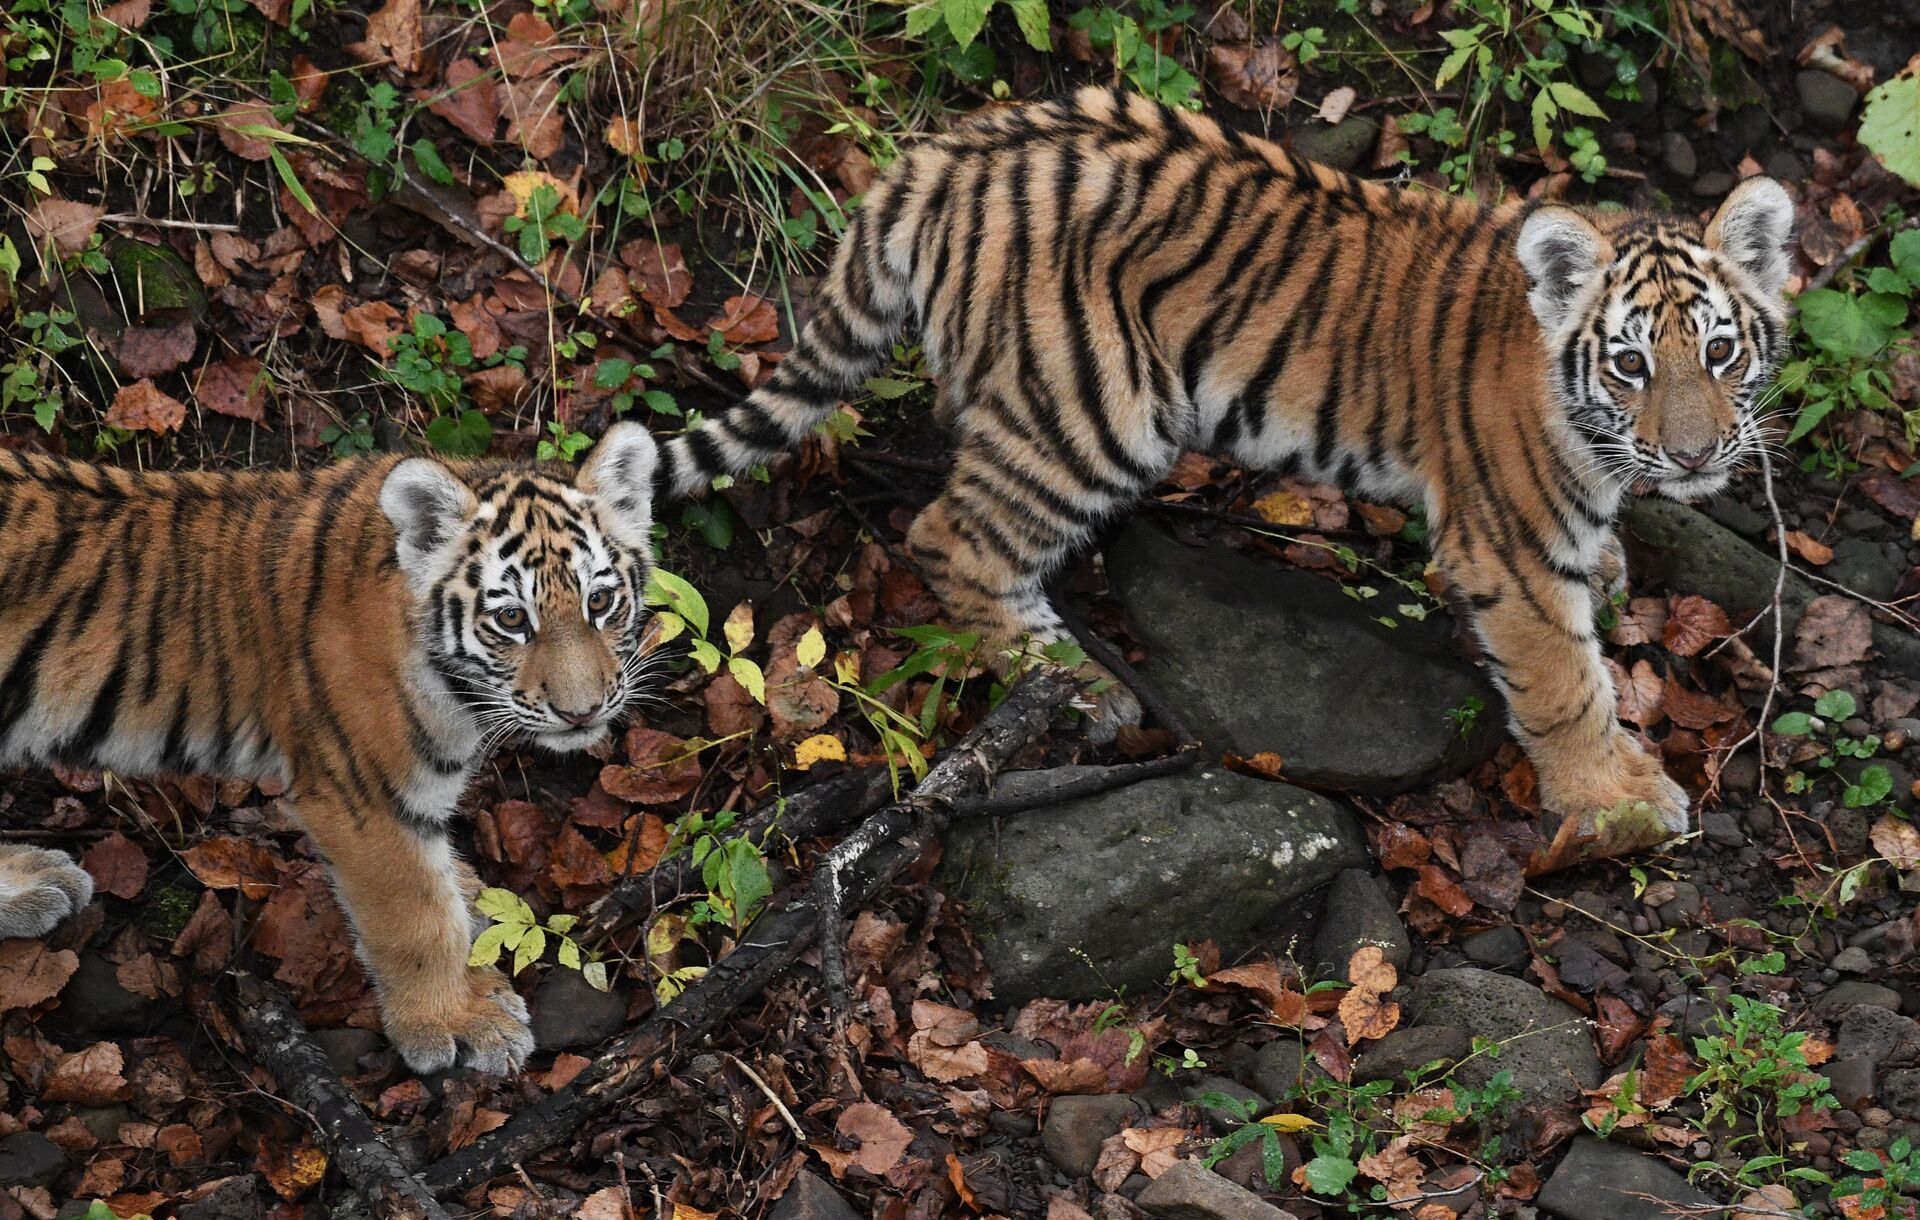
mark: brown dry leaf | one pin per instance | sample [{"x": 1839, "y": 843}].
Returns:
[
  {"x": 535, "y": 120},
  {"x": 746, "y": 319},
  {"x": 1772, "y": 1201},
  {"x": 1380, "y": 520},
  {"x": 1642, "y": 621},
  {"x": 607, "y": 1203},
  {"x": 230, "y": 862},
  {"x": 90, "y": 1077},
  {"x": 1401, "y": 846},
  {"x": 395, "y": 29},
  {"x": 1287, "y": 1005},
  {"x": 1898, "y": 840},
  {"x": 624, "y": 136},
  {"x": 529, "y": 49},
  {"x": 638, "y": 853},
  {"x": 1616, "y": 1026},
  {"x": 469, "y": 98},
  {"x": 1809, "y": 548},
  {"x": 141, "y": 407},
  {"x": 1692, "y": 709},
  {"x": 574, "y": 864},
  {"x": 1638, "y": 693},
  {"x": 1443, "y": 891},
  {"x": 660, "y": 272},
  {"x": 371, "y": 324},
  {"x": 1362, "y": 1011},
  {"x": 1397, "y": 1168},
  {"x": 660, "y": 768},
  {"x": 128, "y": 14},
  {"x": 1730, "y": 23},
  {"x": 31, "y": 973},
  {"x": 1664, "y": 1071},
  {"x": 882, "y": 1138},
  {"x": 1079, "y": 1075},
  {"x": 1490, "y": 875},
  {"x": 208, "y": 936},
  {"x": 249, "y": 144},
  {"x": 154, "y": 350},
  {"x": 292, "y": 1170},
  {"x": 1693, "y": 622},
  {"x": 149, "y": 977},
  {"x": 1835, "y": 632},
  {"x": 67, "y": 223},
  {"x": 309, "y": 83},
  {"x": 234, "y": 386},
  {"x": 117, "y": 865},
  {"x": 1827, "y": 51},
  {"x": 1335, "y": 105},
  {"x": 1157, "y": 1147},
  {"x": 1256, "y": 77}
]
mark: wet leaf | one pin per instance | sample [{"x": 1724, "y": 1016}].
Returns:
[
  {"x": 1693, "y": 622},
  {"x": 141, "y": 407}
]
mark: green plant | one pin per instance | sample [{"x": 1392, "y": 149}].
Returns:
[
  {"x": 1888, "y": 1181},
  {"x": 682, "y": 611},
  {"x": 1186, "y": 968},
  {"x": 1873, "y": 785},
  {"x": 28, "y": 379},
  {"x": 1466, "y": 716},
  {"x": 1888, "y": 124},
  {"x": 952, "y": 27},
  {"x": 1136, "y": 44},
  {"x": 349, "y": 439},
  {"x": 427, "y": 362},
  {"x": 733, "y": 870},
  {"x": 1754, "y": 1067},
  {"x": 542, "y": 222},
  {"x": 516, "y": 929},
  {"x": 619, "y": 375},
  {"x": 564, "y": 444}
]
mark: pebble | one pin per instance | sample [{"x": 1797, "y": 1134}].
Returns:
[
  {"x": 1853, "y": 960},
  {"x": 1825, "y": 99},
  {"x": 1191, "y": 1191},
  {"x": 28, "y": 1158},
  {"x": 1498, "y": 948},
  {"x": 1713, "y": 184},
  {"x": 1076, "y": 1127},
  {"x": 1676, "y": 153},
  {"x": 1722, "y": 829},
  {"x": 809, "y": 1197}
]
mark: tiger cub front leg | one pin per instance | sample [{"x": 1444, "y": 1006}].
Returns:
[
  {"x": 408, "y": 896},
  {"x": 988, "y": 567},
  {"x": 1538, "y": 626}
]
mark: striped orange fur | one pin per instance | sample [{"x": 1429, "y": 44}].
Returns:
[
  {"x": 365, "y": 633},
  {"x": 1100, "y": 283}
]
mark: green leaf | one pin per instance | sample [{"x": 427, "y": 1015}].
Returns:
[
  {"x": 748, "y": 675},
  {"x": 465, "y": 435},
  {"x": 503, "y": 906},
  {"x": 487, "y": 947},
  {"x": 890, "y": 387},
  {"x": 747, "y": 877},
  {"x": 964, "y": 19},
  {"x": 596, "y": 975},
  {"x": 1875, "y": 785},
  {"x": 1544, "y": 112},
  {"x": 531, "y": 947},
  {"x": 1890, "y": 124},
  {"x": 666, "y": 589},
  {"x": 1571, "y": 97},
  {"x": 569, "y": 953},
  {"x": 1905, "y": 251},
  {"x": 428, "y": 158},
  {"x": 1794, "y": 724},
  {"x": 293, "y": 184},
  {"x": 1452, "y": 65},
  {"x": 612, "y": 373},
  {"x": 1032, "y": 18},
  {"x": 1857, "y": 327},
  {"x": 1810, "y": 416},
  {"x": 1835, "y": 705},
  {"x": 922, "y": 17},
  {"x": 1330, "y": 1175},
  {"x": 706, "y": 655}
]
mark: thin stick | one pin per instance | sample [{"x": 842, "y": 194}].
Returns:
[
  {"x": 159, "y": 223},
  {"x": 793, "y": 1124}
]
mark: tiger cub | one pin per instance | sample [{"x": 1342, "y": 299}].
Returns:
[
  {"x": 365, "y": 633},
  {"x": 1101, "y": 283}
]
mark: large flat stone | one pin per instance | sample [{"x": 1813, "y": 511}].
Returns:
[
  {"x": 1545, "y": 1044},
  {"x": 1260, "y": 657},
  {"x": 1121, "y": 876},
  {"x": 1599, "y": 1180}
]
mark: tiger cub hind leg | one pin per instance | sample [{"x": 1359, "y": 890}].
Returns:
[
  {"x": 39, "y": 888},
  {"x": 986, "y": 555},
  {"x": 409, "y": 897}
]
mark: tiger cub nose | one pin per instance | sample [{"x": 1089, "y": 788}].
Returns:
[
  {"x": 577, "y": 718},
  {"x": 1692, "y": 459}
]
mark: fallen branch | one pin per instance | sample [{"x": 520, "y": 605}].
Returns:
[
  {"x": 279, "y": 1042},
  {"x": 777, "y": 939}
]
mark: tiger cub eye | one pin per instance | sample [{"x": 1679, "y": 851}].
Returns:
[
  {"x": 1630, "y": 363},
  {"x": 1719, "y": 349},
  {"x": 510, "y": 618},
  {"x": 599, "y": 601}
]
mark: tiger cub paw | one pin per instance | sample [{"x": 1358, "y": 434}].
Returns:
[
  {"x": 38, "y": 889},
  {"x": 484, "y": 1028},
  {"x": 1633, "y": 806},
  {"x": 1609, "y": 578},
  {"x": 1108, "y": 704}
]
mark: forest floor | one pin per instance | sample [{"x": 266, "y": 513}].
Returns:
[{"x": 275, "y": 233}]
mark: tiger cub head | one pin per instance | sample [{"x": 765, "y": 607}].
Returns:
[
  {"x": 531, "y": 586},
  {"x": 1664, "y": 338}
]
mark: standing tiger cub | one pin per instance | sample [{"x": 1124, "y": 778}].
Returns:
[
  {"x": 1101, "y": 283},
  {"x": 365, "y": 633}
]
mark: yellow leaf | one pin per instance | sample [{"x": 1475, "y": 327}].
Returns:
[
  {"x": 812, "y": 648},
  {"x": 1285, "y": 508},
  {"x": 682, "y": 1212},
  {"x": 671, "y": 625},
  {"x": 523, "y": 183},
  {"x": 623, "y": 135},
  {"x": 739, "y": 628},
  {"x": 1289, "y": 1122},
  {"x": 822, "y": 747}
]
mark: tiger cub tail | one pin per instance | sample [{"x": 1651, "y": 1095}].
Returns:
[{"x": 858, "y": 311}]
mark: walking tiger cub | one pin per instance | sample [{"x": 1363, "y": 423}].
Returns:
[
  {"x": 365, "y": 633},
  {"x": 1101, "y": 283}
]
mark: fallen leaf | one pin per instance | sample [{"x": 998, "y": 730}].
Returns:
[
  {"x": 1258, "y": 76},
  {"x": 292, "y": 1170},
  {"x": 1335, "y": 105},
  {"x": 1284, "y": 508},
  {"x": 469, "y": 98},
  {"x": 607, "y": 1203},
  {"x": 1443, "y": 891},
  {"x": 1898, "y": 840},
  {"x": 821, "y": 747},
  {"x": 241, "y": 127},
  {"x": 395, "y": 28},
  {"x": 746, "y": 319},
  {"x": 31, "y": 973},
  {"x": 90, "y": 1077},
  {"x": 1808, "y": 548},
  {"x": 67, "y": 223},
  {"x": 1770, "y": 1202},
  {"x": 1638, "y": 693},
  {"x": 1693, "y": 622},
  {"x": 660, "y": 272},
  {"x": 235, "y": 386},
  {"x": 141, "y": 407},
  {"x": 625, "y": 136},
  {"x": 881, "y": 1138},
  {"x": 153, "y": 350},
  {"x": 1157, "y": 1147},
  {"x": 117, "y": 865},
  {"x": 1287, "y": 1004},
  {"x": 373, "y": 325},
  {"x": 229, "y": 862},
  {"x": 645, "y": 841},
  {"x": 1490, "y": 875},
  {"x": 1363, "y": 1012},
  {"x": 535, "y": 120},
  {"x": 1835, "y": 631},
  {"x": 660, "y": 768}
]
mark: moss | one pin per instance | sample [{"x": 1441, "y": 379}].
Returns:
[{"x": 167, "y": 911}]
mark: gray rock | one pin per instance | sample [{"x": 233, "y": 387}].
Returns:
[
  {"x": 1826, "y": 100},
  {"x": 1280, "y": 1069},
  {"x": 1722, "y": 829},
  {"x": 103, "y": 1122},
  {"x": 1546, "y": 1045},
  {"x": 1852, "y": 961},
  {"x": 1358, "y": 914},
  {"x": 1870, "y": 1032},
  {"x": 28, "y": 1158},
  {"x": 1496, "y": 948},
  {"x": 1713, "y": 184},
  {"x": 1346, "y": 702},
  {"x": 1900, "y": 1092},
  {"x": 1120, "y": 877},
  {"x": 1676, "y": 153},
  {"x": 99, "y": 1007},
  {"x": 1190, "y": 1191},
  {"x": 1602, "y": 1180},
  {"x": 1701, "y": 556},
  {"x": 1860, "y": 565},
  {"x": 345, "y": 1046},
  {"x": 567, "y": 1012},
  {"x": 1221, "y": 1119},
  {"x": 809, "y": 1197},
  {"x": 1786, "y": 165},
  {"x": 1076, "y": 1127},
  {"x": 235, "y": 1198},
  {"x": 1341, "y": 145},
  {"x": 1845, "y": 995},
  {"x": 1851, "y": 1081},
  {"x": 1404, "y": 1050}
]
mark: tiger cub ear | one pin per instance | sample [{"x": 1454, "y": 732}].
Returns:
[
  {"x": 1752, "y": 228},
  {"x": 1562, "y": 252},
  {"x": 619, "y": 474},
  {"x": 427, "y": 506}
]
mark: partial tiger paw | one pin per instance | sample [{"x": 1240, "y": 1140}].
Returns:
[
  {"x": 38, "y": 889},
  {"x": 1610, "y": 573},
  {"x": 486, "y": 1030},
  {"x": 1108, "y": 705},
  {"x": 1631, "y": 806}
]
